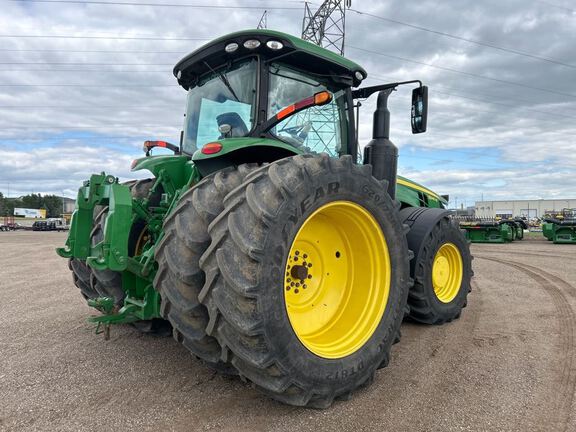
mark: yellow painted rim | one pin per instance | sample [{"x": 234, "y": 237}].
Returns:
[
  {"x": 337, "y": 279},
  {"x": 143, "y": 237},
  {"x": 447, "y": 272}
]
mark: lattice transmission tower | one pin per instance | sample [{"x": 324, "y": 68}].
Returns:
[
  {"x": 324, "y": 27},
  {"x": 263, "y": 24}
]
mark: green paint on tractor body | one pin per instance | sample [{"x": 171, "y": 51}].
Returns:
[{"x": 218, "y": 81}]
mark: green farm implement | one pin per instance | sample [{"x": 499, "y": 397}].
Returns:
[
  {"x": 492, "y": 230},
  {"x": 561, "y": 227},
  {"x": 261, "y": 242}
]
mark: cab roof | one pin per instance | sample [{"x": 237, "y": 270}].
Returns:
[{"x": 296, "y": 52}]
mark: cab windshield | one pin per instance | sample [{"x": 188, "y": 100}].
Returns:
[{"x": 221, "y": 105}]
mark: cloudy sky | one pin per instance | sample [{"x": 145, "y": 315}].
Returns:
[{"x": 83, "y": 85}]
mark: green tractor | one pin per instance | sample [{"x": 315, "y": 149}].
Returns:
[{"x": 261, "y": 242}]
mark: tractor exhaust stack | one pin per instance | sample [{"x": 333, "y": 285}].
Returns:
[{"x": 380, "y": 152}]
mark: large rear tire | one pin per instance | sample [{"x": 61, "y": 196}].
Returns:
[
  {"x": 323, "y": 333},
  {"x": 179, "y": 278}
]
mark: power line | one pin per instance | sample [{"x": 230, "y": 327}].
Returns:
[
  {"x": 40, "y": 127},
  {"x": 83, "y": 106},
  {"x": 90, "y": 85},
  {"x": 505, "y": 104},
  {"x": 493, "y": 102},
  {"x": 94, "y": 51},
  {"x": 160, "y": 4},
  {"x": 490, "y": 111},
  {"x": 470, "y": 74},
  {"x": 35, "y": 140},
  {"x": 86, "y": 64},
  {"x": 472, "y": 41},
  {"x": 104, "y": 37},
  {"x": 556, "y": 6},
  {"x": 88, "y": 70},
  {"x": 507, "y": 97}
]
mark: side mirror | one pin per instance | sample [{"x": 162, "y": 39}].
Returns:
[{"x": 419, "y": 117}]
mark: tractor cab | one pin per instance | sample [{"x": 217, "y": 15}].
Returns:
[
  {"x": 262, "y": 95},
  {"x": 288, "y": 94}
]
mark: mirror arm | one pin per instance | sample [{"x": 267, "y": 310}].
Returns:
[{"x": 366, "y": 92}]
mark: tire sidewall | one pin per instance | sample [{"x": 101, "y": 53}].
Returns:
[
  {"x": 448, "y": 234},
  {"x": 306, "y": 197}
]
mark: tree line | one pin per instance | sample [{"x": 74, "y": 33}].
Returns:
[{"x": 52, "y": 204}]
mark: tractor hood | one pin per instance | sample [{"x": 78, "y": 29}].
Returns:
[{"x": 291, "y": 49}]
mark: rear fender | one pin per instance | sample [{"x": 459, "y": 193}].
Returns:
[
  {"x": 173, "y": 171},
  {"x": 236, "y": 151},
  {"x": 421, "y": 221}
]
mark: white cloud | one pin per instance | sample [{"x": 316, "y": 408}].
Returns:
[{"x": 531, "y": 134}]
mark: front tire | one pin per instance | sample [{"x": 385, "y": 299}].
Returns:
[
  {"x": 252, "y": 305},
  {"x": 441, "y": 268}
]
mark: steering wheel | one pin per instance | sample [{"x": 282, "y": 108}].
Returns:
[{"x": 298, "y": 133}]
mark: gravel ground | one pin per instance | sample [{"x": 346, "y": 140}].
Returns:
[{"x": 509, "y": 364}]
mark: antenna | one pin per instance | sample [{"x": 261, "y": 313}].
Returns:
[
  {"x": 326, "y": 26},
  {"x": 263, "y": 24}
]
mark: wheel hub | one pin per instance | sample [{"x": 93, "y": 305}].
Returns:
[{"x": 299, "y": 272}]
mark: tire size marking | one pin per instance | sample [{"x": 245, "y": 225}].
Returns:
[
  {"x": 371, "y": 193},
  {"x": 331, "y": 188},
  {"x": 345, "y": 373}
]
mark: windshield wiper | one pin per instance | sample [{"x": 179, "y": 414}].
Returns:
[{"x": 224, "y": 79}]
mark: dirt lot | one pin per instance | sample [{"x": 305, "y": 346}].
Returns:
[{"x": 509, "y": 364}]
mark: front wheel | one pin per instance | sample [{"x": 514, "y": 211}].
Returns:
[
  {"x": 307, "y": 278},
  {"x": 441, "y": 268}
]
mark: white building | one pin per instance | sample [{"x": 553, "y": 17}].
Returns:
[{"x": 528, "y": 208}]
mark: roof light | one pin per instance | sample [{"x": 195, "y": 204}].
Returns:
[
  {"x": 359, "y": 75},
  {"x": 274, "y": 45},
  {"x": 179, "y": 74},
  {"x": 211, "y": 148},
  {"x": 231, "y": 47},
  {"x": 252, "y": 44}
]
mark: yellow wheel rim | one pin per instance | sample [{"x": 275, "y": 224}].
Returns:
[
  {"x": 447, "y": 272},
  {"x": 337, "y": 279},
  {"x": 143, "y": 237}
]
